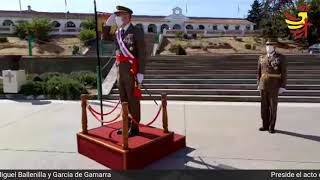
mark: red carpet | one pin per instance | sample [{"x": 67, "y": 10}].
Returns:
[{"x": 103, "y": 145}]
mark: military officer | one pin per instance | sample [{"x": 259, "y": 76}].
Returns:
[
  {"x": 130, "y": 59},
  {"x": 272, "y": 79}
]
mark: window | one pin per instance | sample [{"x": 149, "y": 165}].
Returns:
[
  {"x": 139, "y": 26},
  {"x": 214, "y": 27},
  {"x": 237, "y": 27},
  {"x": 164, "y": 26},
  {"x": 7, "y": 23},
  {"x": 201, "y": 27},
  {"x": 55, "y": 24},
  {"x": 189, "y": 27},
  {"x": 152, "y": 28},
  {"x": 177, "y": 26},
  {"x": 248, "y": 27},
  {"x": 70, "y": 24},
  {"x": 226, "y": 27}
]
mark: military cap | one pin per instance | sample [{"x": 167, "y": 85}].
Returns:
[{"x": 121, "y": 9}]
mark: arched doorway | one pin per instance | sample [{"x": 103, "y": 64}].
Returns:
[
  {"x": 152, "y": 28},
  {"x": 201, "y": 27},
  {"x": 189, "y": 27},
  {"x": 55, "y": 24},
  {"x": 140, "y": 26},
  {"x": 177, "y": 26},
  {"x": 70, "y": 24},
  {"x": 7, "y": 23},
  {"x": 164, "y": 26}
]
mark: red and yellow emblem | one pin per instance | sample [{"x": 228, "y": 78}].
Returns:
[{"x": 298, "y": 26}]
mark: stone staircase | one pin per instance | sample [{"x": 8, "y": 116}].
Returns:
[{"x": 225, "y": 78}]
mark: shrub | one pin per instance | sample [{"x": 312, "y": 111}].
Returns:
[
  {"x": 179, "y": 34},
  {"x": 49, "y": 75},
  {"x": 87, "y": 34},
  {"x": 63, "y": 87},
  {"x": 89, "y": 23},
  {"x": 3, "y": 39},
  {"x": 87, "y": 78},
  {"x": 33, "y": 88},
  {"x": 247, "y": 46}
]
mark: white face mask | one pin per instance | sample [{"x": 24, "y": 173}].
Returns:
[
  {"x": 270, "y": 49},
  {"x": 119, "y": 21}
]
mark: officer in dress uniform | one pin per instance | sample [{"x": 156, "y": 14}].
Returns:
[
  {"x": 130, "y": 59},
  {"x": 272, "y": 79}
]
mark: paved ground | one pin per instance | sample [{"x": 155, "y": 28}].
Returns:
[{"x": 41, "y": 135}]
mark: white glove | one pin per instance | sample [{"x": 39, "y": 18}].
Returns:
[
  {"x": 111, "y": 20},
  {"x": 282, "y": 90},
  {"x": 140, "y": 78}
]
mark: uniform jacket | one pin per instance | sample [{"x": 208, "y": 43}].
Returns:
[
  {"x": 133, "y": 38},
  {"x": 275, "y": 64}
]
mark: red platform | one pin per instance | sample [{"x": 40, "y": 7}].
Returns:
[{"x": 103, "y": 145}]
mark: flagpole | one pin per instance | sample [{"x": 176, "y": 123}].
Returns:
[
  {"x": 98, "y": 57},
  {"x": 20, "y": 7}
]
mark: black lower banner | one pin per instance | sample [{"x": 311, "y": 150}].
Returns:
[{"x": 161, "y": 174}]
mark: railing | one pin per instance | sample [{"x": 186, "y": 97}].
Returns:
[{"x": 125, "y": 117}]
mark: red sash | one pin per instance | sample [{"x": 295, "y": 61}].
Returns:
[
  {"x": 132, "y": 61},
  {"x": 134, "y": 70}
]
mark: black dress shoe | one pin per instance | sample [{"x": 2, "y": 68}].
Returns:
[
  {"x": 272, "y": 131},
  {"x": 263, "y": 129},
  {"x": 133, "y": 133}
]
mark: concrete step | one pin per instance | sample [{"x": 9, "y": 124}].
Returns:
[
  {"x": 231, "y": 63},
  {"x": 225, "y": 86},
  {"x": 224, "y": 76},
  {"x": 225, "y": 71},
  {"x": 224, "y": 81},
  {"x": 224, "y": 92},
  {"x": 299, "y": 99},
  {"x": 226, "y": 67}
]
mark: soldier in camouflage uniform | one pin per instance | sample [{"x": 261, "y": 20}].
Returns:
[{"x": 272, "y": 79}]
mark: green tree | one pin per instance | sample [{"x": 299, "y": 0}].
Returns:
[
  {"x": 314, "y": 18},
  {"x": 87, "y": 34},
  {"x": 255, "y": 14},
  {"x": 88, "y": 23},
  {"x": 39, "y": 28}
]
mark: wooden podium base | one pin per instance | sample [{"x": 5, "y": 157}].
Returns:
[{"x": 103, "y": 145}]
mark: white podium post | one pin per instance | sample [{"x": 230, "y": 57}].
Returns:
[{"x": 13, "y": 80}]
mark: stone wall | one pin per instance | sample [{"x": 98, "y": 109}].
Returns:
[{"x": 40, "y": 65}]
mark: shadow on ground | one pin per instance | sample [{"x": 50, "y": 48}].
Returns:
[
  {"x": 304, "y": 136},
  {"x": 34, "y": 102},
  {"x": 181, "y": 160}
]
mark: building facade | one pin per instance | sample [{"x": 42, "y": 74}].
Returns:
[{"x": 70, "y": 23}]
